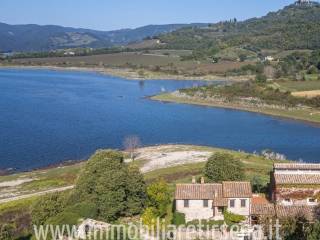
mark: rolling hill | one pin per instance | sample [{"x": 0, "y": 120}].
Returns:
[
  {"x": 22, "y": 38},
  {"x": 297, "y": 26}
]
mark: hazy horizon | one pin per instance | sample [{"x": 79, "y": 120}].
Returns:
[{"x": 113, "y": 15}]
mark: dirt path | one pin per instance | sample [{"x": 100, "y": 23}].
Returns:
[{"x": 35, "y": 194}]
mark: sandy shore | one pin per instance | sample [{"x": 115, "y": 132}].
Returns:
[{"x": 131, "y": 74}]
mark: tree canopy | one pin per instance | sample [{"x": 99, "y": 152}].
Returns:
[
  {"x": 224, "y": 167},
  {"x": 116, "y": 188}
]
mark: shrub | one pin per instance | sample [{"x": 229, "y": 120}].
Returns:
[
  {"x": 179, "y": 219},
  {"x": 231, "y": 218},
  {"x": 223, "y": 167},
  {"x": 159, "y": 197},
  {"x": 149, "y": 217},
  {"x": 46, "y": 207}
]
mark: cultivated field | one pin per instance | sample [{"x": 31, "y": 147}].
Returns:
[{"x": 156, "y": 60}]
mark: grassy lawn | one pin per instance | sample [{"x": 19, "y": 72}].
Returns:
[{"x": 42, "y": 180}]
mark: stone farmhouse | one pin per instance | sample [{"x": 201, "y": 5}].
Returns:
[
  {"x": 295, "y": 184},
  {"x": 210, "y": 200},
  {"x": 294, "y": 191}
]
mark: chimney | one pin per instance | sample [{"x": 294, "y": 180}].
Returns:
[
  {"x": 215, "y": 194},
  {"x": 193, "y": 180},
  {"x": 202, "y": 180}
]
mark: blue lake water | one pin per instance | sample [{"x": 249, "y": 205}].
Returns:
[{"x": 47, "y": 117}]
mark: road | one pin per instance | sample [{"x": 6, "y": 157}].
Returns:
[{"x": 6, "y": 200}]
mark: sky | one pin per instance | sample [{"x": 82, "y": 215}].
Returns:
[{"x": 118, "y": 14}]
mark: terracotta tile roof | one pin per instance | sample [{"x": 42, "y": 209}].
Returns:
[
  {"x": 198, "y": 191},
  {"x": 259, "y": 199},
  {"x": 309, "y": 212},
  {"x": 214, "y": 190},
  {"x": 266, "y": 209},
  {"x": 269, "y": 209},
  {"x": 296, "y": 166},
  {"x": 297, "y": 178},
  {"x": 220, "y": 202},
  {"x": 237, "y": 189}
]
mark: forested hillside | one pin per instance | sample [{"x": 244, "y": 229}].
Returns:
[{"x": 294, "y": 27}]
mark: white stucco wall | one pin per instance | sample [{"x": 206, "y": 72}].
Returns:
[
  {"x": 195, "y": 209},
  {"x": 244, "y": 211}
]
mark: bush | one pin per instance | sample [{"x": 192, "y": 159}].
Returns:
[
  {"x": 223, "y": 167},
  {"x": 149, "y": 217},
  {"x": 179, "y": 219},
  {"x": 231, "y": 218},
  {"x": 46, "y": 207},
  {"x": 159, "y": 197}
]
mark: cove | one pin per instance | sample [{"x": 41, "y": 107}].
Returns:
[{"x": 47, "y": 117}]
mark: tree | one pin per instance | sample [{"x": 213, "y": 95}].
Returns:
[
  {"x": 131, "y": 143},
  {"x": 258, "y": 185},
  {"x": 224, "y": 167},
  {"x": 136, "y": 194},
  {"x": 159, "y": 197},
  {"x": 111, "y": 185},
  {"x": 7, "y": 231},
  {"x": 295, "y": 228}
]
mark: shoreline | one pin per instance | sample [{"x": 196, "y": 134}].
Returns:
[
  {"x": 169, "y": 98},
  {"x": 130, "y": 74}
]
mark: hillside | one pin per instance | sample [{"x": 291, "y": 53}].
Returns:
[
  {"x": 294, "y": 27},
  {"x": 43, "y": 38}
]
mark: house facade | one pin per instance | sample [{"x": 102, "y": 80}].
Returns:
[
  {"x": 210, "y": 200},
  {"x": 295, "y": 184}
]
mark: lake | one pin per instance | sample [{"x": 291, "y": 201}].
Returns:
[{"x": 47, "y": 117}]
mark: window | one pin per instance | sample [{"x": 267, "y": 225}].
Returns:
[
  {"x": 232, "y": 203},
  {"x": 243, "y": 203},
  {"x": 186, "y": 203},
  {"x": 312, "y": 200},
  {"x": 220, "y": 210},
  {"x": 205, "y": 203}
]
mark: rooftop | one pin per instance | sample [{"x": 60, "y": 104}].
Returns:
[
  {"x": 296, "y": 166},
  {"x": 216, "y": 191},
  {"x": 308, "y": 179}
]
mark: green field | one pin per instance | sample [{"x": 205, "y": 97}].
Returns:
[{"x": 294, "y": 86}]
